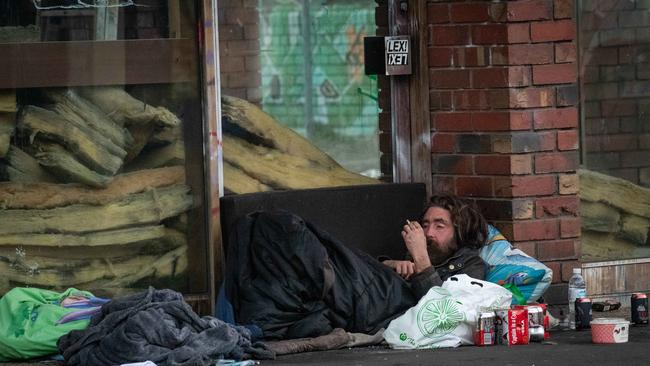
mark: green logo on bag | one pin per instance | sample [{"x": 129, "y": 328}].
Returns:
[
  {"x": 402, "y": 337},
  {"x": 439, "y": 317}
]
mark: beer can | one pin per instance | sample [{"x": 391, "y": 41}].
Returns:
[
  {"x": 545, "y": 321},
  {"x": 536, "y": 333},
  {"x": 485, "y": 329},
  {"x": 639, "y": 308},
  {"x": 518, "y": 327},
  {"x": 535, "y": 315},
  {"x": 512, "y": 326},
  {"x": 501, "y": 322},
  {"x": 583, "y": 313}
]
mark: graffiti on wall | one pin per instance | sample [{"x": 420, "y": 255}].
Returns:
[{"x": 342, "y": 96}]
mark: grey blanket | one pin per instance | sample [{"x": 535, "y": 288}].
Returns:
[{"x": 156, "y": 325}]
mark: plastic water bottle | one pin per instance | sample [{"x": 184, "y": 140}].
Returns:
[{"x": 577, "y": 289}]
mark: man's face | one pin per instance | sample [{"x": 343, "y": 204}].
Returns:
[{"x": 439, "y": 231}]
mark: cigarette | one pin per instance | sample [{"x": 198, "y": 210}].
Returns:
[{"x": 408, "y": 222}]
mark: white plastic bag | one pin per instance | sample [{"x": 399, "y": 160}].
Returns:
[{"x": 446, "y": 316}]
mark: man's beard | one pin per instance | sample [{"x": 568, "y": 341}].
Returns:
[{"x": 438, "y": 255}]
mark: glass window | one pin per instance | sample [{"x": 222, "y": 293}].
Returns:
[
  {"x": 101, "y": 146},
  {"x": 298, "y": 111},
  {"x": 615, "y": 90}
]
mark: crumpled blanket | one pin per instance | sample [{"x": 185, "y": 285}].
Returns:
[{"x": 156, "y": 325}]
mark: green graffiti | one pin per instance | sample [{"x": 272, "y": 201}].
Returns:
[{"x": 342, "y": 96}]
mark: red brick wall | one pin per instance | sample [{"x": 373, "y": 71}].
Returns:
[
  {"x": 239, "y": 49},
  {"x": 504, "y": 113},
  {"x": 616, "y": 87}
]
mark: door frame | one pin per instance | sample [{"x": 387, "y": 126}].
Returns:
[{"x": 410, "y": 117}]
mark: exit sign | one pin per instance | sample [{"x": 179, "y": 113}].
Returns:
[{"x": 398, "y": 55}]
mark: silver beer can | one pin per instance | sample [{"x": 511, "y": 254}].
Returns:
[
  {"x": 485, "y": 329},
  {"x": 502, "y": 326},
  {"x": 536, "y": 333},
  {"x": 535, "y": 315}
]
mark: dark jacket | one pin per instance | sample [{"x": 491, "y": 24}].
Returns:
[{"x": 464, "y": 260}]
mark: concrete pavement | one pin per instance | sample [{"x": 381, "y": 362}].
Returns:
[{"x": 564, "y": 348}]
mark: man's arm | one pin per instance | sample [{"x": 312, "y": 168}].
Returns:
[
  {"x": 471, "y": 265},
  {"x": 416, "y": 244},
  {"x": 423, "y": 281},
  {"x": 425, "y": 275},
  {"x": 403, "y": 268}
]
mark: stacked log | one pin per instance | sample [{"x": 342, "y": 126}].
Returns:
[
  {"x": 615, "y": 217},
  {"x": 18, "y": 166},
  {"x": 115, "y": 257},
  {"x": 73, "y": 213},
  {"x": 126, "y": 110},
  {"x": 44, "y": 196},
  {"x": 62, "y": 235},
  {"x": 70, "y": 105},
  {"x": 94, "y": 192},
  {"x": 260, "y": 154}
]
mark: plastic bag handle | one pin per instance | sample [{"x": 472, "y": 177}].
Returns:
[{"x": 471, "y": 282}]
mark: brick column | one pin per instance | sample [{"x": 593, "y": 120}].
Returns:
[
  {"x": 239, "y": 50},
  {"x": 504, "y": 113}
]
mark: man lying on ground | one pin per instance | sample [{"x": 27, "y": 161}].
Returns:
[{"x": 293, "y": 280}]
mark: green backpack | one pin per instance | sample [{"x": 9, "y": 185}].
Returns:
[{"x": 28, "y": 322}]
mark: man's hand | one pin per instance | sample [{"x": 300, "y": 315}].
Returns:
[
  {"x": 403, "y": 268},
  {"x": 416, "y": 244}
]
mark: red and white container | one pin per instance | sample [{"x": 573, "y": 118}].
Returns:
[
  {"x": 537, "y": 318},
  {"x": 512, "y": 326},
  {"x": 609, "y": 330},
  {"x": 546, "y": 322},
  {"x": 485, "y": 334}
]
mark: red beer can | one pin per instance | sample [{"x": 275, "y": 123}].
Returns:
[
  {"x": 512, "y": 326},
  {"x": 485, "y": 334}
]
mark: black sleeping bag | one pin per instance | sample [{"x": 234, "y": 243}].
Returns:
[{"x": 293, "y": 280}]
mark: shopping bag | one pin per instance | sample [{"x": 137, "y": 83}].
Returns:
[
  {"x": 514, "y": 268},
  {"x": 30, "y": 321},
  {"x": 446, "y": 316}
]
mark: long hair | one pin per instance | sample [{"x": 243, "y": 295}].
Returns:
[{"x": 470, "y": 227}]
